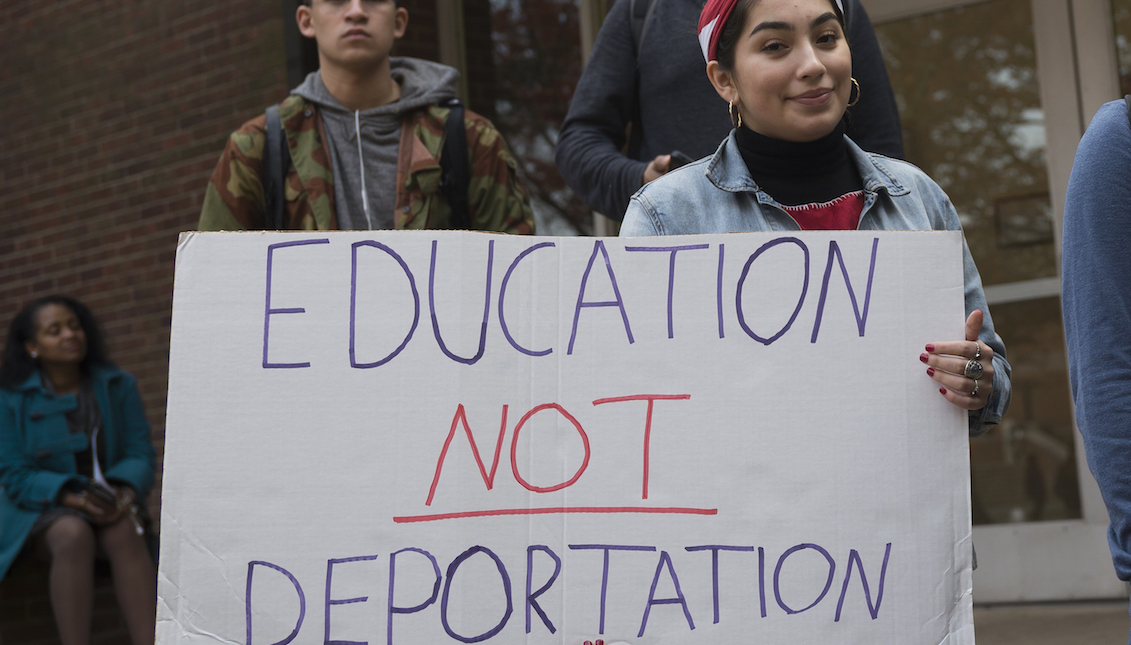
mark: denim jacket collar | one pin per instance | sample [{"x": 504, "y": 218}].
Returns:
[{"x": 727, "y": 171}]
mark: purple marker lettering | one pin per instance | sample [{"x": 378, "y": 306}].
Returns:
[
  {"x": 671, "y": 270},
  {"x": 268, "y": 311},
  {"x": 532, "y": 598},
  {"x": 294, "y": 583},
  {"x": 486, "y": 307},
  {"x": 329, "y": 581},
  {"x": 861, "y": 318},
  {"x": 762, "y": 580},
  {"x": 719, "y": 289},
  {"x": 598, "y": 247},
  {"x": 665, "y": 560},
  {"x": 452, "y": 568},
  {"x": 353, "y": 305},
  {"x": 502, "y": 296},
  {"x": 714, "y": 549},
  {"x": 777, "y": 577},
  {"x": 853, "y": 556},
  {"x": 605, "y": 570},
  {"x": 393, "y": 609},
  {"x": 742, "y": 279}
]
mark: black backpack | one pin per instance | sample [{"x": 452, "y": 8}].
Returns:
[{"x": 455, "y": 173}]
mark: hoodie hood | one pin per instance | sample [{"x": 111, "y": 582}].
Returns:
[
  {"x": 422, "y": 83},
  {"x": 363, "y": 144}
]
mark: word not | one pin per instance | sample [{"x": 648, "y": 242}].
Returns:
[
  {"x": 582, "y": 303},
  {"x": 460, "y": 419},
  {"x": 665, "y": 571}
]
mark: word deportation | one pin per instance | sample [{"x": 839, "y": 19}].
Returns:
[
  {"x": 599, "y": 258},
  {"x": 665, "y": 572}
]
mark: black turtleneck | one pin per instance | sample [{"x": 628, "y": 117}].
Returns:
[{"x": 795, "y": 174}]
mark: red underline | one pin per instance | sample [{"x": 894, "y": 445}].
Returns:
[{"x": 559, "y": 509}]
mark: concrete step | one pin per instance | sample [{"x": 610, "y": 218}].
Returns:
[{"x": 1076, "y": 623}]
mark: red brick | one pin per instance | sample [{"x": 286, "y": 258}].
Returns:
[{"x": 118, "y": 112}]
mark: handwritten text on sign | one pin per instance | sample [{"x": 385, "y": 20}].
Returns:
[{"x": 443, "y": 437}]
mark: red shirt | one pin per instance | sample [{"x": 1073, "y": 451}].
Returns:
[{"x": 841, "y": 214}]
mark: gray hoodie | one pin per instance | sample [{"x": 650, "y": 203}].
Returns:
[{"x": 363, "y": 144}]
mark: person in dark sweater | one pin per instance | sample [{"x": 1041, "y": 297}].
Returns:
[
  {"x": 659, "y": 87},
  {"x": 784, "y": 67}
]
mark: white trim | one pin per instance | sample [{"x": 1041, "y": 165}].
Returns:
[
  {"x": 1024, "y": 290},
  {"x": 1039, "y": 561},
  {"x": 1056, "y": 74},
  {"x": 1097, "y": 61}
]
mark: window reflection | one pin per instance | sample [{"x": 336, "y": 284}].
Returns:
[
  {"x": 966, "y": 85},
  {"x": 523, "y": 67},
  {"x": 1121, "y": 12},
  {"x": 1025, "y": 469}
]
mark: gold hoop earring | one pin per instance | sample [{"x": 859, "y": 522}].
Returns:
[
  {"x": 851, "y": 103},
  {"x": 735, "y": 115}
]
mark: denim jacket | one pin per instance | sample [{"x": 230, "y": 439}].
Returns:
[{"x": 716, "y": 194}]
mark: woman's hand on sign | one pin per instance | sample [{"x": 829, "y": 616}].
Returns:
[{"x": 964, "y": 368}]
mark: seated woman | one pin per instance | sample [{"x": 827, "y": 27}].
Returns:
[
  {"x": 75, "y": 464},
  {"x": 785, "y": 69}
]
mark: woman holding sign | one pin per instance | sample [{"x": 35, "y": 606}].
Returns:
[
  {"x": 75, "y": 465},
  {"x": 785, "y": 69}
]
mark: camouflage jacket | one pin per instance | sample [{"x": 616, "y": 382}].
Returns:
[{"x": 497, "y": 200}]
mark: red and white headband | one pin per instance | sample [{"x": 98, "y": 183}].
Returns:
[{"x": 713, "y": 18}]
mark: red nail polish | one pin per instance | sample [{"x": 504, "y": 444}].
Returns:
[
  {"x": 942, "y": 390},
  {"x": 930, "y": 371},
  {"x": 923, "y": 357},
  {"x": 930, "y": 347}
]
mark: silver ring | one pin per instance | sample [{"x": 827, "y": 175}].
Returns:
[
  {"x": 973, "y": 370},
  {"x": 978, "y": 353},
  {"x": 975, "y": 392}
]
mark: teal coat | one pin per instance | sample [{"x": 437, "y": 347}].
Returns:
[{"x": 37, "y": 450}]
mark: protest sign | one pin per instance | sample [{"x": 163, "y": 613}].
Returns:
[{"x": 432, "y": 437}]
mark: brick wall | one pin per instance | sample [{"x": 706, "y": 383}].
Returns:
[{"x": 114, "y": 115}]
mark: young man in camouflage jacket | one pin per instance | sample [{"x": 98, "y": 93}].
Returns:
[{"x": 365, "y": 135}]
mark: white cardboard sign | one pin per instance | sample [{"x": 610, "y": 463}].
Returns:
[{"x": 434, "y": 437}]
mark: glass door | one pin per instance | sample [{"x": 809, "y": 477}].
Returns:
[{"x": 972, "y": 82}]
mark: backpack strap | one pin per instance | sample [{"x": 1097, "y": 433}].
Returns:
[
  {"x": 276, "y": 162},
  {"x": 640, "y": 12},
  {"x": 455, "y": 172}
]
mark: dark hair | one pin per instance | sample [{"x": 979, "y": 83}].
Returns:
[
  {"x": 397, "y": 3},
  {"x": 17, "y": 364},
  {"x": 728, "y": 37}
]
